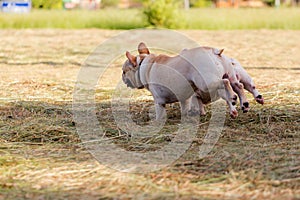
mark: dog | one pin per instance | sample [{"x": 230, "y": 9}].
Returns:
[
  {"x": 238, "y": 74},
  {"x": 176, "y": 79},
  {"x": 246, "y": 80},
  {"x": 219, "y": 59}
]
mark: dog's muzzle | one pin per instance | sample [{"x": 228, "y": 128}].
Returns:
[{"x": 128, "y": 83}]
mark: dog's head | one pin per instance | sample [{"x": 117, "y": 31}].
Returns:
[{"x": 131, "y": 76}]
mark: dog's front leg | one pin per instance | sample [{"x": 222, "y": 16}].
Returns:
[
  {"x": 201, "y": 107},
  {"x": 185, "y": 105},
  {"x": 160, "y": 110}
]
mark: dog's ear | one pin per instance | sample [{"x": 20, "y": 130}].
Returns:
[
  {"x": 142, "y": 48},
  {"x": 131, "y": 58},
  {"x": 218, "y": 51}
]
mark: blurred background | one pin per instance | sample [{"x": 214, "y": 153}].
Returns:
[{"x": 130, "y": 14}]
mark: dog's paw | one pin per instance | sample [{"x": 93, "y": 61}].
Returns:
[
  {"x": 234, "y": 114},
  {"x": 260, "y": 99},
  {"x": 245, "y": 107}
]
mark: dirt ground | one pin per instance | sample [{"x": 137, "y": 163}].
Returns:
[
  {"x": 41, "y": 55},
  {"x": 257, "y": 156}
]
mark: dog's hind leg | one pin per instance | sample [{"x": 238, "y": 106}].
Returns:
[
  {"x": 201, "y": 106},
  {"x": 193, "y": 108},
  {"x": 219, "y": 88}
]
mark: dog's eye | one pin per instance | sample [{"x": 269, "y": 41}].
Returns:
[
  {"x": 253, "y": 87},
  {"x": 123, "y": 72}
]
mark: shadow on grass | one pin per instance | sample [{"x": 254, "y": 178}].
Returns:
[
  {"x": 37, "y": 138},
  {"x": 265, "y": 139}
]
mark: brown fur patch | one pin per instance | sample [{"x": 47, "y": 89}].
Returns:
[{"x": 161, "y": 59}]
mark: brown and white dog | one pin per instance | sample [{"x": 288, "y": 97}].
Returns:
[
  {"x": 173, "y": 79},
  {"x": 221, "y": 60},
  {"x": 238, "y": 74}
]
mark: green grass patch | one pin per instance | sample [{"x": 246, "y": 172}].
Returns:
[
  {"x": 205, "y": 18},
  {"x": 76, "y": 19},
  {"x": 243, "y": 18}
]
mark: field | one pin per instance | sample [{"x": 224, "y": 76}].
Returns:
[
  {"x": 41, "y": 156},
  {"x": 205, "y": 18}
]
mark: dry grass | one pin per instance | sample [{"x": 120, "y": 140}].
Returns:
[{"x": 257, "y": 156}]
